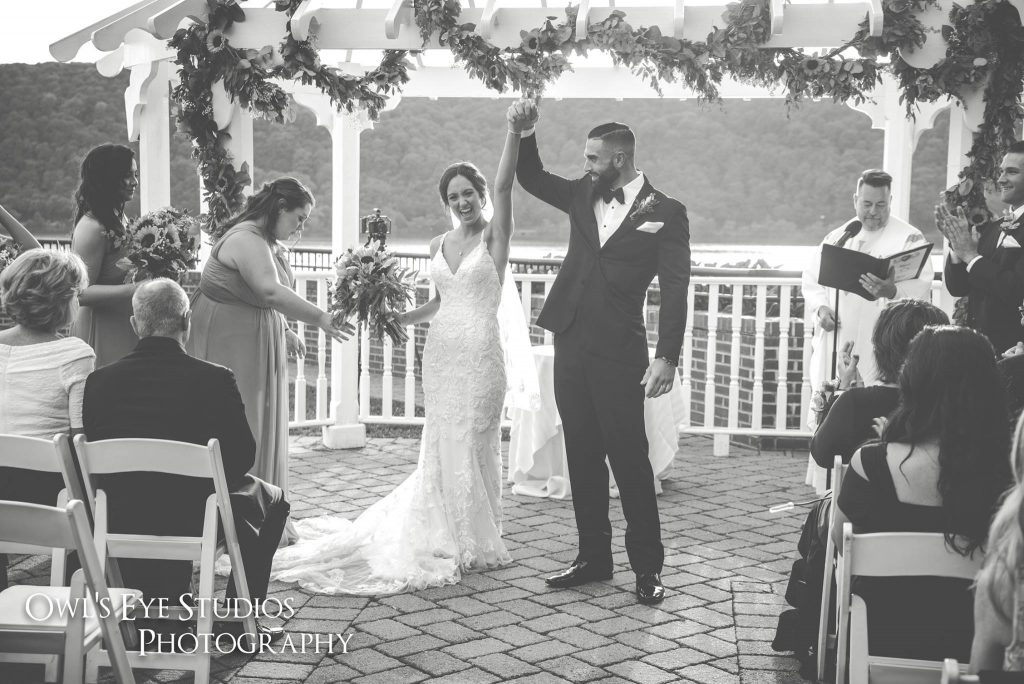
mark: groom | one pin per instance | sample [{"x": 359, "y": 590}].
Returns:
[{"x": 622, "y": 232}]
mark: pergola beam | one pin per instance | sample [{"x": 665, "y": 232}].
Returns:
[{"x": 392, "y": 28}]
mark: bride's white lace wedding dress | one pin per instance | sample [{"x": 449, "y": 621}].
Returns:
[{"x": 446, "y": 517}]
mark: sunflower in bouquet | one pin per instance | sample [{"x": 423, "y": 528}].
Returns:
[
  {"x": 161, "y": 244},
  {"x": 372, "y": 286}
]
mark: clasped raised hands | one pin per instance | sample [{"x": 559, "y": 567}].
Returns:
[{"x": 522, "y": 115}]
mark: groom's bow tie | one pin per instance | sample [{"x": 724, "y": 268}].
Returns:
[{"x": 607, "y": 194}]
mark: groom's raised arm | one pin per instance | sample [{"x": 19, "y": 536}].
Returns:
[
  {"x": 544, "y": 185},
  {"x": 674, "y": 281}
]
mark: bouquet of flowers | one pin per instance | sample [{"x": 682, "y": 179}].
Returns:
[
  {"x": 9, "y": 251},
  {"x": 161, "y": 244},
  {"x": 372, "y": 286}
]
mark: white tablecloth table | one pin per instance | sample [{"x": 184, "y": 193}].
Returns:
[{"x": 537, "y": 461}]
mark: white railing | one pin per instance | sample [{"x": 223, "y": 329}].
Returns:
[{"x": 757, "y": 339}]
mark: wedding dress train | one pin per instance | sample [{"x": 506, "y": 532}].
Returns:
[{"x": 446, "y": 517}]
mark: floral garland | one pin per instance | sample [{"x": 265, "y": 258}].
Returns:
[
  {"x": 205, "y": 56},
  {"x": 984, "y": 40}
]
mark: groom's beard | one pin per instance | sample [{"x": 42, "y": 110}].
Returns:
[{"x": 605, "y": 179}]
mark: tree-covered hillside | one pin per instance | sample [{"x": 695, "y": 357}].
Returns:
[{"x": 749, "y": 172}]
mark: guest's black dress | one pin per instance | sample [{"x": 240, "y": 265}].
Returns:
[
  {"x": 849, "y": 423},
  {"x": 928, "y": 618}
]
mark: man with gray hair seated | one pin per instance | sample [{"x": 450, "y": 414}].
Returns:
[{"x": 160, "y": 392}]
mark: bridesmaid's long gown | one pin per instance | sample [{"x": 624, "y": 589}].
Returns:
[{"x": 231, "y": 328}]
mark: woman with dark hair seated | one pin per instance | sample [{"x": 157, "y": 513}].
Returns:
[
  {"x": 941, "y": 467},
  {"x": 850, "y": 421}
]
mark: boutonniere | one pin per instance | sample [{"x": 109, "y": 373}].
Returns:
[
  {"x": 1007, "y": 223},
  {"x": 644, "y": 207}
]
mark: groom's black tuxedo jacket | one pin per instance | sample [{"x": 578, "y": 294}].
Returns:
[
  {"x": 603, "y": 288},
  {"x": 994, "y": 286},
  {"x": 160, "y": 392}
]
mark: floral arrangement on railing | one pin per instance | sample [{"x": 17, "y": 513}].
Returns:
[{"x": 984, "y": 40}]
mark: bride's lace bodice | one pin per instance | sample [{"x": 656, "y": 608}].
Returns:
[
  {"x": 463, "y": 363},
  {"x": 446, "y": 517}
]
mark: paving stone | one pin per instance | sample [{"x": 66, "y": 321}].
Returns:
[
  {"x": 436, "y": 663},
  {"x": 572, "y": 669},
  {"x": 544, "y": 650},
  {"x": 387, "y": 630},
  {"x": 707, "y": 674},
  {"x": 401, "y": 675},
  {"x": 287, "y": 671},
  {"x": 479, "y": 647},
  {"x": 471, "y": 676},
  {"x": 606, "y": 655},
  {"x": 516, "y": 635},
  {"x": 452, "y": 632},
  {"x": 640, "y": 672},
  {"x": 504, "y": 665},
  {"x": 413, "y": 644}
]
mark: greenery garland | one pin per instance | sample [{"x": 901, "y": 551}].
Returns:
[
  {"x": 985, "y": 39},
  {"x": 205, "y": 56}
]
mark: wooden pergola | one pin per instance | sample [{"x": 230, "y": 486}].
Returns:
[{"x": 353, "y": 32}]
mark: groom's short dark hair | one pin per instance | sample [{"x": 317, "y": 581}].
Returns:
[{"x": 615, "y": 133}]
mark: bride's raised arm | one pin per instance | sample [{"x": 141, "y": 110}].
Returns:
[{"x": 499, "y": 233}]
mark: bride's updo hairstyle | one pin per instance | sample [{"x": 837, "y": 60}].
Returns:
[
  {"x": 263, "y": 208},
  {"x": 468, "y": 171}
]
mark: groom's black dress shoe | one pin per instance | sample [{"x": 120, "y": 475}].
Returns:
[
  {"x": 649, "y": 588},
  {"x": 580, "y": 572}
]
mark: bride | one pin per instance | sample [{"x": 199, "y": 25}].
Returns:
[{"x": 446, "y": 517}]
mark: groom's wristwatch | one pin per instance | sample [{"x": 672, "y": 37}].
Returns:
[{"x": 667, "y": 360}]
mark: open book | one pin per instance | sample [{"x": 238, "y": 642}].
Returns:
[{"x": 842, "y": 268}]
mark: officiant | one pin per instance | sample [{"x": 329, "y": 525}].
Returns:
[{"x": 880, "y": 235}]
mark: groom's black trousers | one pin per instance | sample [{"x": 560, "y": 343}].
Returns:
[{"x": 601, "y": 403}]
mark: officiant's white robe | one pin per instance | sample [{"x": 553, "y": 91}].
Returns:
[{"x": 857, "y": 315}]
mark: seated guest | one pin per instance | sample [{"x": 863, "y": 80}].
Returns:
[
  {"x": 940, "y": 467},
  {"x": 160, "y": 392},
  {"x": 42, "y": 373},
  {"x": 850, "y": 421},
  {"x": 1012, "y": 368},
  {"x": 999, "y": 595}
]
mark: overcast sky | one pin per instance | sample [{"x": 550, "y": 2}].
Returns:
[{"x": 30, "y": 26}]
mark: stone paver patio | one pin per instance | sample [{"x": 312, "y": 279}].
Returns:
[{"x": 726, "y": 562}]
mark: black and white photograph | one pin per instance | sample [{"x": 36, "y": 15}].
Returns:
[{"x": 512, "y": 341}]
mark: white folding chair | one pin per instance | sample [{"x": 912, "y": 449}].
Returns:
[
  {"x": 888, "y": 554},
  {"x": 66, "y": 621},
  {"x": 826, "y": 638},
  {"x": 952, "y": 673},
  {"x": 42, "y": 456},
  {"x": 118, "y": 456}
]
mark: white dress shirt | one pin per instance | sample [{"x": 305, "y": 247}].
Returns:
[{"x": 610, "y": 215}]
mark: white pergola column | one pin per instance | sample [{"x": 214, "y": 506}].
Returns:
[
  {"x": 347, "y": 432},
  {"x": 961, "y": 137},
  {"x": 901, "y": 134},
  {"x": 147, "y": 105}
]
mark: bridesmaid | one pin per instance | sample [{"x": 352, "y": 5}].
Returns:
[
  {"x": 109, "y": 178},
  {"x": 238, "y": 315}
]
